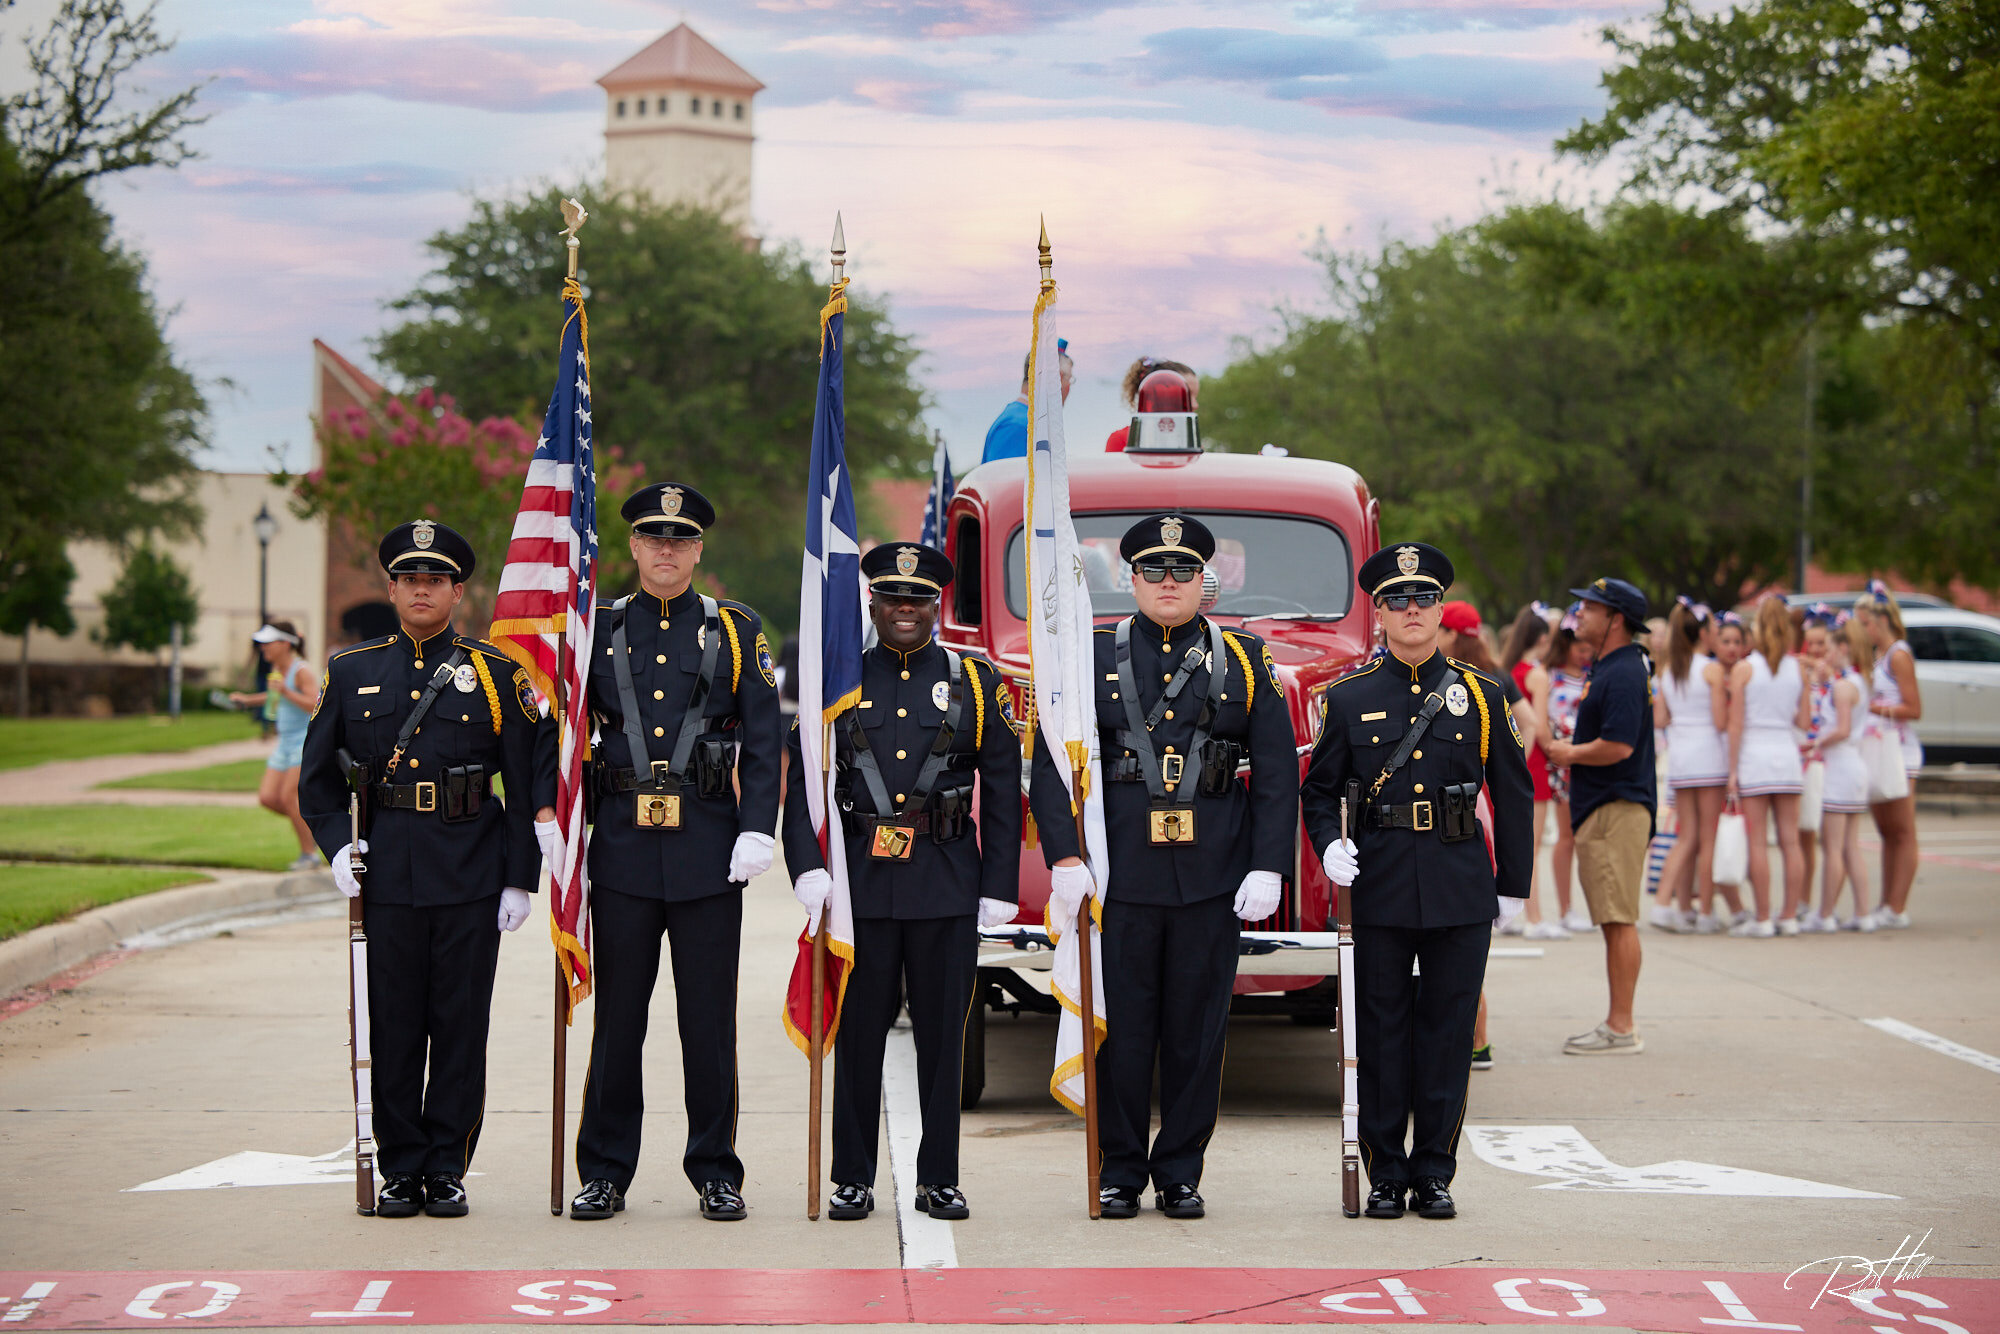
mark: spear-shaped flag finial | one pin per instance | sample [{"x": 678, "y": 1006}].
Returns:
[
  {"x": 839, "y": 248},
  {"x": 1048, "y": 277}
]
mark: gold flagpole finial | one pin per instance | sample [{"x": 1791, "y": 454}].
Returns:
[
  {"x": 574, "y": 217},
  {"x": 1048, "y": 277},
  {"x": 839, "y": 249}
]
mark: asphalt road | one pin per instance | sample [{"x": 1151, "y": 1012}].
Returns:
[{"x": 1759, "y": 1058}]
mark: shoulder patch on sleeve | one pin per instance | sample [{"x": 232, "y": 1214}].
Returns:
[
  {"x": 1514, "y": 726},
  {"x": 765, "y": 664},
  {"x": 1272, "y": 668},
  {"x": 524, "y": 691}
]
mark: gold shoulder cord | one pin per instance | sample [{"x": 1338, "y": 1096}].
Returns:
[
  {"x": 1250, "y": 690},
  {"x": 735, "y": 652},
  {"x": 1485, "y": 720},
  {"x": 979, "y": 697},
  {"x": 486, "y": 680}
]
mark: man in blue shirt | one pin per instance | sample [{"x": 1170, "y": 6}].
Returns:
[
  {"x": 1613, "y": 792},
  {"x": 1007, "y": 437}
]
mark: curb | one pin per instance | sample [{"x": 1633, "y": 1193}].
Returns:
[{"x": 47, "y": 950}]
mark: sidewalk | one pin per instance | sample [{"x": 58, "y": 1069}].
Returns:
[{"x": 70, "y": 782}]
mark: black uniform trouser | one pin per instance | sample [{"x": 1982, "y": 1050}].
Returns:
[
  {"x": 704, "y": 936},
  {"x": 1414, "y": 1042},
  {"x": 1168, "y": 974},
  {"x": 430, "y": 998},
  {"x": 932, "y": 960}
]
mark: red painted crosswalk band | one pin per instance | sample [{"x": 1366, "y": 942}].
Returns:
[{"x": 1671, "y": 1302}]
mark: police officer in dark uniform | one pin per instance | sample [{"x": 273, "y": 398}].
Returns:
[
  {"x": 922, "y": 881},
  {"x": 1415, "y": 736},
  {"x": 429, "y": 720},
  {"x": 686, "y": 774},
  {"x": 1181, "y": 703}
]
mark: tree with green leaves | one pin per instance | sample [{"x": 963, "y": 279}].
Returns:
[
  {"x": 152, "y": 595},
  {"x": 703, "y": 352},
  {"x": 34, "y": 591}
]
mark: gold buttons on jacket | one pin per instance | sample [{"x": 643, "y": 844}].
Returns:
[
  {"x": 416, "y": 694},
  {"x": 902, "y": 713},
  {"x": 464, "y": 718},
  {"x": 906, "y": 673},
  {"x": 1461, "y": 736},
  {"x": 1170, "y": 750},
  {"x": 659, "y": 731},
  {"x": 1416, "y": 689},
  {"x": 1417, "y": 756},
  {"x": 1375, "y": 740},
  {"x": 420, "y": 662},
  {"x": 901, "y": 755},
  {"x": 414, "y": 761},
  {"x": 663, "y": 625},
  {"x": 900, "y": 798},
  {"x": 659, "y": 657},
  {"x": 367, "y": 713},
  {"x": 1420, "y": 787},
  {"x": 1170, "y": 713},
  {"x": 659, "y": 694},
  {"x": 1166, "y": 676}
]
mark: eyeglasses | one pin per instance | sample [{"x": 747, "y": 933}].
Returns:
[
  {"x": 1404, "y": 601},
  {"x": 1182, "y": 574},
  {"x": 680, "y": 546}
]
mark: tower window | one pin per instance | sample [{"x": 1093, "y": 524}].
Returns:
[
  {"x": 621, "y": 110},
  {"x": 694, "y": 106},
  {"x": 717, "y": 108},
  {"x": 739, "y": 111},
  {"x": 642, "y": 106},
  {"x": 663, "y": 106}
]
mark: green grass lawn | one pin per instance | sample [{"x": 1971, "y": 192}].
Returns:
[
  {"x": 238, "y": 776},
  {"x": 177, "y": 835},
  {"x": 26, "y": 741},
  {"x": 32, "y": 896}
]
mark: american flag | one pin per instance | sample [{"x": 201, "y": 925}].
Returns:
[
  {"x": 940, "y": 496},
  {"x": 829, "y": 669},
  {"x": 544, "y": 613}
]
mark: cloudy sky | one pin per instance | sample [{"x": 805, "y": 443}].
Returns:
[{"x": 1187, "y": 155}]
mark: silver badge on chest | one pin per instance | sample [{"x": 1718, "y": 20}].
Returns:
[
  {"x": 465, "y": 678},
  {"x": 941, "y": 695},
  {"x": 1457, "y": 700}
]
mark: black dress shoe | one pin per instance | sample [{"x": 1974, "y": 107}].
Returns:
[
  {"x": 447, "y": 1196},
  {"x": 402, "y": 1196},
  {"x": 1386, "y": 1200},
  {"x": 1118, "y": 1202},
  {"x": 850, "y": 1202},
  {"x": 722, "y": 1202},
  {"x": 598, "y": 1199},
  {"x": 944, "y": 1202},
  {"x": 1431, "y": 1198},
  {"x": 1182, "y": 1201}
]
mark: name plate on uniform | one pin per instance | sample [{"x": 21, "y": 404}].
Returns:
[
  {"x": 892, "y": 842},
  {"x": 1170, "y": 827},
  {"x": 658, "y": 810}
]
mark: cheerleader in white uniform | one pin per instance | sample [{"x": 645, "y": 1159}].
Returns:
[
  {"x": 1767, "y": 700},
  {"x": 1846, "y": 795},
  {"x": 1894, "y": 704},
  {"x": 1691, "y": 705}
]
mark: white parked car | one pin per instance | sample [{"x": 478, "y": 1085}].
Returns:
[{"x": 1958, "y": 671}]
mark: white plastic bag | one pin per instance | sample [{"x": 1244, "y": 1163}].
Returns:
[
  {"x": 1812, "y": 797},
  {"x": 1732, "y": 849},
  {"x": 1882, "y": 756}
]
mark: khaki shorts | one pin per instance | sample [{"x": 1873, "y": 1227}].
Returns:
[{"x": 1611, "y": 860}]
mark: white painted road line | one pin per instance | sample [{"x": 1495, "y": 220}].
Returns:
[
  {"x": 1943, "y": 1046},
  {"x": 1563, "y": 1153},
  {"x": 927, "y": 1243}
]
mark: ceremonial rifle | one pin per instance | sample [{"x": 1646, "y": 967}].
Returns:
[
  {"x": 359, "y": 1061},
  {"x": 1350, "y": 1099}
]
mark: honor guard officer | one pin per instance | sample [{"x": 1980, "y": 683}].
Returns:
[
  {"x": 686, "y": 773},
  {"x": 1412, "y": 739},
  {"x": 1181, "y": 703},
  {"x": 922, "y": 881},
  {"x": 423, "y": 722}
]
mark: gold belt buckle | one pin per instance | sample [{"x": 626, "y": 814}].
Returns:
[
  {"x": 1171, "y": 768},
  {"x": 892, "y": 842},
  {"x": 658, "y": 810},
  {"x": 1420, "y": 816},
  {"x": 427, "y": 796},
  {"x": 1173, "y": 826},
  {"x": 662, "y": 771}
]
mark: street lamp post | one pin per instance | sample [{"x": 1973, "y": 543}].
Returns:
[{"x": 266, "y": 528}]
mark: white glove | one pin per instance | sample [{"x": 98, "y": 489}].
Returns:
[
  {"x": 812, "y": 890},
  {"x": 1259, "y": 894},
  {"x": 513, "y": 908},
  {"x": 343, "y": 876},
  {"x": 1068, "y": 887},
  {"x": 1342, "y": 862},
  {"x": 997, "y": 912},
  {"x": 545, "y": 837},
  {"x": 750, "y": 858},
  {"x": 1510, "y": 908}
]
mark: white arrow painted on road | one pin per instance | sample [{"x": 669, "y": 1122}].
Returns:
[
  {"x": 252, "y": 1168},
  {"x": 1563, "y": 1153}
]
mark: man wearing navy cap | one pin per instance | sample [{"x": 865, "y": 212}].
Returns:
[
  {"x": 685, "y": 773},
  {"x": 1412, "y": 739},
  {"x": 1193, "y": 849},
  {"x": 922, "y": 880},
  {"x": 1614, "y": 791},
  {"x": 430, "y": 719}
]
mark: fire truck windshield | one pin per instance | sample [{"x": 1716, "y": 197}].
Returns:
[{"x": 1268, "y": 564}]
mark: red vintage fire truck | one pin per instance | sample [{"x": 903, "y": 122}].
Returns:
[{"x": 1290, "y": 533}]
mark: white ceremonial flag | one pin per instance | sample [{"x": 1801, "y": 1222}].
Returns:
[{"x": 1059, "y": 649}]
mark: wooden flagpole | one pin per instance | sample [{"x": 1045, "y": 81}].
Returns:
[{"x": 816, "y": 1080}]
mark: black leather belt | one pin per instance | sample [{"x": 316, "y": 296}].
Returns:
[
  {"x": 1417, "y": 815},
  {"x": 920, "y": 822},
  {"x": 420, "y": 796},
  {"x": 617, "y": 781}
]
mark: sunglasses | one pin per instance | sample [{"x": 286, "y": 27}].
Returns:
[
  {"x": 1182, "y": 574},
  {"x": 1404, "y": 601}
]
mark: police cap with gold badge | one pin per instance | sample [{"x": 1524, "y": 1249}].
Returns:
[
  {"x": 669, "y": 509},
  {"x": 1167, "y": 539},
  {"x": 1406, "y": 567},
  {"x": 425, "y": 546},
  {"x": 906, "y": 569}
]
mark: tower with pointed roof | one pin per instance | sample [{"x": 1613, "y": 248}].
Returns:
[{"x": 678, "y": 125}]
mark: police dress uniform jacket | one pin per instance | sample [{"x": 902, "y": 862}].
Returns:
[
  {"x": 1245, "y": 828},
  {"x": 904, "y": 701},
  {"x": 1410, "y": 875},
  {"x": 486, "y": 716},
  {"x": 664, "y": 646}
]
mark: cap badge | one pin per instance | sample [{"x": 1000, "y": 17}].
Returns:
[
  {"x": 1406, "y": 560},
  {"x": 670, "y": 501},
  {"x": 906, "y": 561},
  {"x": 1170, "y": 532},
  {"x": 423, "y": 532}
]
